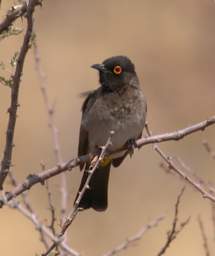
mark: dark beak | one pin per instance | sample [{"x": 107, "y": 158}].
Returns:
[{"x": 99, "y": 67}]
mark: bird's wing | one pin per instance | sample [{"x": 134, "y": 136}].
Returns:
[
  {"x": 83, "y": 133},
  {"x": 83, "y": 143},
  {"x": 89, "y": 101}
]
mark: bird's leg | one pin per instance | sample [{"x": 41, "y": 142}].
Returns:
[{"x": 131, "y": 145}]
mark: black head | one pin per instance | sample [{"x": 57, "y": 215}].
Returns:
[{"x": 116, "y": 72}]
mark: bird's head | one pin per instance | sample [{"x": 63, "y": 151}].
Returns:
[{"x": 116, "y": 72}]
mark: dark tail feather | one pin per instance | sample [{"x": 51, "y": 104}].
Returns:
[{"x": 97, "y": 195}]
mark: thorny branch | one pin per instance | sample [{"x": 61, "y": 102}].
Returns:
[
  {"x": 53, "y": 214},
  {"x": 16, "y": 79},
  {"x": 24, "y": 195},
  {"x": 71, "y": 216},
  {"x": 49, "y": 108},
  {"x": 208, "y": 148},
  {"x": 52, "y": 209},
  {"x": 14, "y": 13},
  {"x": 172, "y": 234},
  {"x": 40, "y": 177},
  {"x": 28, "y": 208},
  {"x": 204, "y": 237},
  {"x": 131, "y": 240},
  {"x": 213, "y": 217},
  {"x": 38, "y": 224},
  {"x": 28, "y": 212},
  {"x": 55, "y": 133},
  {"x": 177, "y": 135},
  {"x": 191, "y": 180}
]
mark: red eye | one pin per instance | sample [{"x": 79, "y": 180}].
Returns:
[{"x": 117, "y": 70}]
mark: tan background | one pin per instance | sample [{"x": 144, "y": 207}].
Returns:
[{"x": 172, "y": 44}]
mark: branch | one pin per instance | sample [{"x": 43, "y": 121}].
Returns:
[
  {"x": 213, "y": 217},
  {"x": 208, "y": 149},
  {"x": 49, "y": 108},
  {"x": 43, "y": 228},
  {"x": 40, "y": 177},
  {"x": 14, "y": 13},
  {"x": 51, "y": 123},
  {"x": 177, "y": 135},
  {"x": 131, "y": 240},
  {"x": 94, "y": 164},
  {"x": 16, "y": 79},
  {"x": 172, "y": 234},
  {"x": 172, "y": 166},
  {"x": 204, "y": 237},
  {"x": 194, "y": 183},
  {"x": 28, "y": 212},
  {"x": 52, "y": 210},
  {"x": 28, "y": 207},
  {"x": 55, "y": 137}
]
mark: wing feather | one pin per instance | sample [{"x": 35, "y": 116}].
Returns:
[{"x": 83, "y": 147}]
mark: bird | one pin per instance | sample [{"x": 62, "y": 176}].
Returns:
[{"x": 118, "y": 105}]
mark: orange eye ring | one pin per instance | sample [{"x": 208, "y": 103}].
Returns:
[{"x": 117, "y": 70}]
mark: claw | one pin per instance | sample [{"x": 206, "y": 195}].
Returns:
[{"x": 131, "y": 145}]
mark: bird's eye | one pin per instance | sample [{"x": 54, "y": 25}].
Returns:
[{"x": 117, "y": 70}]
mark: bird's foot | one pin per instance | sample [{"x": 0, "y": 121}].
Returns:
[{"x": 131, "y": 145}]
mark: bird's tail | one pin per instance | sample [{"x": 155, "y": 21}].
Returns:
[{"x": 97, "y": 194}]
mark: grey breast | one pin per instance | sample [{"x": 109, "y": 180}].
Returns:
[{"x": 123, "y": 114}]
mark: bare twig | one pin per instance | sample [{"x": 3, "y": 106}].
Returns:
[
  {"x": 55, "y": 136},
  {"x": 94, "y": 164},
  {"x": 40, "y": 226},
  {"x": 131, "y": 240},
  {"x": 51, "y": 123},
  {"x": 28, "y": 208},
  {"x": 24, "y": 195},
  {"x": 191, "y": 180},
  {"x": 71, "y": 216},
  {"x": 49, "y": 107},
  {"x": 204, "y": 237},
  {"x": 52, "y": 209},
  {"x": 172, "y": 166},
  {"x": 41, "y": 177},
  {"x": 34, "y": 179},
  {"x": 14, "y": 13},
  {"x": 53, "y": 214},
  {"x": 28, "y": 212},
  {"x": 172, "y": 234},
  {"x": 177, "y": 135},
  {"x": 16, "y": 79},
  {"x": 213, "y": 217},
  {"x": 207, "y": 185},
  {"x": 165, "y": 167},
  {"x": 208, "y": 149}
]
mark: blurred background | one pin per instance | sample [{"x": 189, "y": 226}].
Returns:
[{"x": 172, "y": 44}]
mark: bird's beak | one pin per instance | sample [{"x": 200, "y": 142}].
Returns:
[{"x": 99, "y": 67}]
